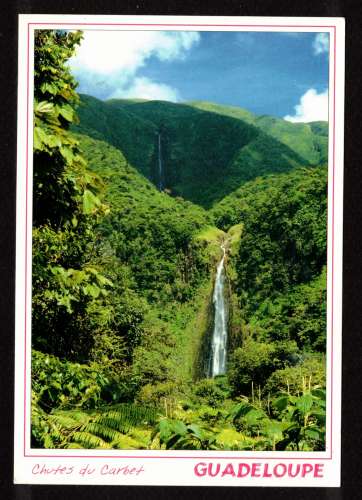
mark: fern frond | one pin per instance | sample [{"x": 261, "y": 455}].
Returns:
[
  {"x": 103, "y": 431},
  {"x": 79, "y": 416},
  {"x": 127, "y": 443},
  {"x": 88, "y": 440},
  {"x": 49, "y": 441},
  {"x": 76, "y": 446},
  {"x": 115, "y": 421},
  {"x": 127, "y": 416},
  {"x": 64, "y": 422},
  {"x": 101, "y": 428}
]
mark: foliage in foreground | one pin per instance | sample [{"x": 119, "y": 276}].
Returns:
[
  {"x": 106, "y": 428},
  {"x": 64, "y": 385},
  {"x": 290, "y": 423},
  {"x": 67, "y": 284}
]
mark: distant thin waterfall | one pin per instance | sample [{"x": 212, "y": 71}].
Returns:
[
  {"x": 219, "y": 338},
  {"x": 160, "y": 172}
]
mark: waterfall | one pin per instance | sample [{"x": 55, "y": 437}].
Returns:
[
  {"x": 160, "y": 173},
  {"x": 217, "y": 364}
]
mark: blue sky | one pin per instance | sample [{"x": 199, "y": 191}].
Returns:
[{"x": 280, "y": 74}]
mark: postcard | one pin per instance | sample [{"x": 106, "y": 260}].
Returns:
[{"x": 179, "y": 250}]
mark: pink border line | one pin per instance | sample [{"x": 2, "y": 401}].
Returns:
[
  {"x": 166, "y": 456},
  {"x": 26, "y": 231},
  {"x": 188, "y": 25}
]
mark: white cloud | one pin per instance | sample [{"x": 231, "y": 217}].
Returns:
[
  {"x": 144, "y": 88},
  {"x": 107, "y": 62},
  {"x": 114, "y": 51},
  {"x": 321, "y": 43},
  {"x": 311, "y": 108}
]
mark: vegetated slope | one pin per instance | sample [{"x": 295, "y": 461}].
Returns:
[
  {"x": 160, "y": 325},
  {"x": 278, "y": 278},
  {"x": 134, "y": 136},
  {"x": 147, "y": 229},
  {"x": 132, "y": 330},
  {"x": 156, "y": 247},
  {"x": 309, "y": 140},
  {"x": 205, "y": 155}
]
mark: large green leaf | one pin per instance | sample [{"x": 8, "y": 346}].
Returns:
[
  {"x": 52, "y": 88},
  {"x": 312, "y": 433},
  {"x": 319, "y": 393},
  {"x": 241, "y": 409},
  {"x": 40, "y": 138},
  {"x": 67, "y": 112},
  {"x": 90, "y": 202},
  {"x": 281, "y": 403},
  {"x": 304, "y": 403},
  {"x": 43, "y": 107},
  {"x": 67, "y": 154}
]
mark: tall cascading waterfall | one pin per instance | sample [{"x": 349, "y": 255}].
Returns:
[
  {"x": 160, "y": 172},
  {"x": 217, "y": 362}
]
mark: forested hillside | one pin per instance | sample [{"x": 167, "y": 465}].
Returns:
[
  {"x": 309, "y": 140},
  {"x": 278, "y": 277},
  {"x": 228, "y": 148},
  {"x": 124, "y": 272}
]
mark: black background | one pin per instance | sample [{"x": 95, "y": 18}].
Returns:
[{"x": 352, "y": 295}]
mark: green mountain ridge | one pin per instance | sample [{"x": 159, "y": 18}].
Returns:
[
  {"x": 310, "y": 140},
  {"x": 206, "y": 153}
]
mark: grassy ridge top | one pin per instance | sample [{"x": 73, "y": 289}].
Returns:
[{"x": 309, "y": 140}]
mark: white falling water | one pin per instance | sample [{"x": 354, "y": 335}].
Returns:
[
  {"x": 160, "y": 185},
  {"x": 219, "y": 336}
]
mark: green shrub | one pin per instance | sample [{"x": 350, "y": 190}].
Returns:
[
  {"x": 155, "y": 394},
  {"x": 208, "y": 392},
  {"x": 62, "y": 384},
  {"x": 256, "y": 361},
  {"x": 293, "y": 379}
]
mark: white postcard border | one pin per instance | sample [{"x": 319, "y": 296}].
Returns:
[{"x": 175, "y": 467}]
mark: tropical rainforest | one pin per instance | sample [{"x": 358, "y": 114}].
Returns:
[{"x": 133, "y": 202}]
